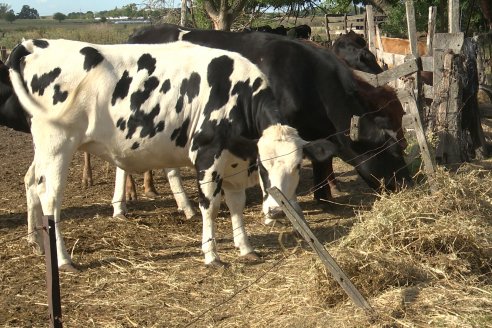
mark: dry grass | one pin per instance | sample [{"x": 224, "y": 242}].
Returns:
[{"x": 421, "y": 259}]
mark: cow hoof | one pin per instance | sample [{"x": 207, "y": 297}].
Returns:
[
  {"x": 120, "y": 216},
  {"x": 251, "y": 258},
  {"x": 68, "y": 267},
  {"x": 196, "y": 217},
  {"x": 37, "y": 249},
  {"x": 217, "y": 264},
  {"x": 275, "y": 223},
  {"x": 151, "y": 194},
  {"x": 131, "y": 196}
]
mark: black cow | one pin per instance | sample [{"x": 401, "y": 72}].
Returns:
[
  {"x": 315, "y": 91},
  {"x": 352, "y": 48}
]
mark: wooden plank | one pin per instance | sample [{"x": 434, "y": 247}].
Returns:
[
  {"x": 370, "y": 27},
  {"x": 485, "y": 110},
  {"x": 443, "y": 42},
  {"x": 427, "y": 63},
  {"x": 52, "y": 274},
  {"x": 300, "y": 224},
  {"x": 454, "y": 16},
  {"x": 407, "y": 98},
  {"x": 431, "y": 29},
  {"x": 380, "y": 79}
]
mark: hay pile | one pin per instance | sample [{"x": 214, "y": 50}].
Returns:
[{"x": 421, "y": 259}]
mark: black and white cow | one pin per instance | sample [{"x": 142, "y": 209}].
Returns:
[
  {"x": 155, "y": 106},
  {"x": 317, "y": 94}
]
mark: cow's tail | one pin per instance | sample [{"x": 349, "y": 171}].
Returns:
[{"x": 30, "y": 105}]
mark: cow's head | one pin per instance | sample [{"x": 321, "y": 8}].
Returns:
[
  {"x": 12, "y": 114},
  {"x": 377, "y": 154},
  {"x": 280, "y": 153}
]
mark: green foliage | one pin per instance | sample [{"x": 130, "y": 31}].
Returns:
[
  {"x": 396, "y": 26},
  {"x": 59, "y": 16},
  {"x": 10, "y": 16},
  {"x": 28, "y": 13}
]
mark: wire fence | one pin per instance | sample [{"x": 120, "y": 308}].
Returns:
[{"x": 370, "y": 154}]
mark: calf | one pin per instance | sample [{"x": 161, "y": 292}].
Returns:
[{"x": 155, "y": 106}]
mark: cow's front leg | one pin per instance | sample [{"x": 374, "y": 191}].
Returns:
[
  {"x": 236, "y": 200},
  {"x": 209, "y": 187},
  {"x": 176, "y": 185},
  {"x": 34, "y": 212},
  {"x": 119, "y": 196},
  {"x": 323, "y": 179}
]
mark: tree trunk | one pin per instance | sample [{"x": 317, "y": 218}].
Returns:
[
  {"x": 382, "y": 5},
  {"x": 486, "y": 7},
  {"x": 222, "y": 13}
]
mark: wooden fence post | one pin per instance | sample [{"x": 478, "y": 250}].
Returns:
[
  {"x": 302, "y": 227},
  {"x": 52, "y": 275},
  {"x": 454, "y": 16},
  {"x": 370, "y": 28},
  {"x": 327, "y": 29},
  {"x": 431, "y": 29}
]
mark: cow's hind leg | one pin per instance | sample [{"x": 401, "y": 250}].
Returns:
[
  {"x": 52, "y": 159},
  {"x": 236, "y": 200},
  {"x": 87, "y": 171},
  {"x": 149, "y": 187}
]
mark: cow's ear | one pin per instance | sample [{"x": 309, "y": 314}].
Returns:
[
  {"x": 244, "y": 148},
  {"x": 320, "y": 150}
]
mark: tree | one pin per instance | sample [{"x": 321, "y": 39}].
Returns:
[
  {"x": 59, "y": 17},
  {"x": 10, "y": 16},
  {"x": 4, "y": 9},
  {"x": 28, "y": 13}
]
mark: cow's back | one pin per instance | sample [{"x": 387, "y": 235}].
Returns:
[{"x": 137, "y": 99}]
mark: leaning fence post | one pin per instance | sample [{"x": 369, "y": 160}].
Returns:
[
  {"x": 52, "y": 275},
  {"x": 302, "y": 227}
]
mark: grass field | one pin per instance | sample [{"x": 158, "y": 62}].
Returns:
[{"x": 80, "y": 30}]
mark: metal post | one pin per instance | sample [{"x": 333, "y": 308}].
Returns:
[{"x": 52, "y": 275}]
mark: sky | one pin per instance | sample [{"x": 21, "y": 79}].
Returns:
[{"x": 49, "y": 7}]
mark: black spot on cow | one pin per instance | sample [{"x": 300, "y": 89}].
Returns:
[
  {"x": 146, "y": 121},
  {"x": 140, "y": 96},
  {"x": 59, "y": 96},
  {"x": 180, "y": 135},
  {"x": 121, "y": 124},
  {"x": 40, "y": 43},
  {"x": 146, "y": 61},
  {"x": 122, "y": 87},
  {"x": 202, "y": 199},
  {"x": 257, "y": 83},
  {"x": 218, "y": 180},
  {"x": 265, "y": 178},
  {"x": 218, "y": 76},
  {"x": 189, "y": 87},
  {"x": 16, "y": 57},
  {"x": 135, "y": 145},
  {"x": 92, "y": 57},
  {"x": 166, "y": 86},
  {"x": 39, "y": 84},
  {"x": 234, "y": 165},
  {"x": 41, "y": 180}
]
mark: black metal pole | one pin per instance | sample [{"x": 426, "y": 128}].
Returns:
[{"x": 52, "y": 275}]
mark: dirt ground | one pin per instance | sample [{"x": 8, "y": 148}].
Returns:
[{"x": 147, "y": 271}]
